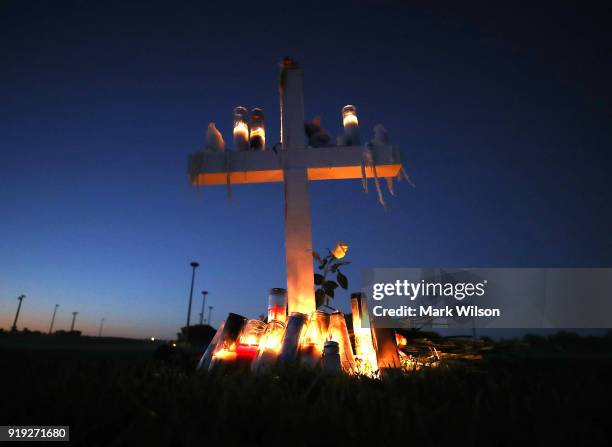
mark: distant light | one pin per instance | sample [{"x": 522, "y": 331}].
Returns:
[
  {"x": 174, "y": 345},
  {"x": 152, "y": 338}
]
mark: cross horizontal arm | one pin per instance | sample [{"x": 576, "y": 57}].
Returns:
[{"x": 324, "y": 163}]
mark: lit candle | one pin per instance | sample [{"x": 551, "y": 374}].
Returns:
[
  {"x": 241, "y": 129},
  {"x": 351, "y": 125},
  {"x": 338, "y": 332},
  {"x": 208, "y": 354},
  {"x": 387, "y": 352},
  {"x": 366, "y": 362},
  {"x": 246, "y": 352},
  {"x": 277, "y": 305},
  {"x": 225, "y": 349},
  {"x": 248, "y": 341},
  {"x": 311, "y": 345},
  {"x": 269, "y": 347},
  {"x": 225, "y": 357},
  {"x": 291, "y": 338},
  {"x": 258, "y": 130}
]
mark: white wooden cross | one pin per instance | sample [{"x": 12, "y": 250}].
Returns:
[{"x": 295, "y": 165}]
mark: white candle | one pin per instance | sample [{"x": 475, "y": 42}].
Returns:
[
  {"x": 351, "y": 125},
  {"x": 241, "y": 129}
]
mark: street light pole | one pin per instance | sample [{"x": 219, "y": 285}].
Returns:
[
  {"x": 204, "y": 293},
  {"x": 20, "y": 298},
  {"x": 101, "y": 327},
  {"x": 53, "y": 319},
  {"x": 74, "y": 314},
  {"x": 209, "y": 314},
  {"x": 194, "y": 265}
]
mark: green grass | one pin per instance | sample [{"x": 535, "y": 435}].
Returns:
[{"x": 124, "y": 396}]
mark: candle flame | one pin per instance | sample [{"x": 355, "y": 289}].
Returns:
[
  {"x": 241, "y": 129},
  {"x": 250, "y": 340},
  {"x": 251, "y": 333},
  {"x": 314, "y": 334},
  {"x": 400, "y": 340},
  {"x": 350, "y": 119},
  {"x": 224, "y": 354},
  {"x": 272, "y": 339}
]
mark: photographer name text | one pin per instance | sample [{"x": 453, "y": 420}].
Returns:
[
  {"x": 436, "y": 312},
  {"x": 413, "y": 290}
]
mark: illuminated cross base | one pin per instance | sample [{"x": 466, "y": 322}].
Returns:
[{"x": 294, "y": 165}]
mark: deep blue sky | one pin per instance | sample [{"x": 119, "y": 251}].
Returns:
[{"x": 502, "y": 114}]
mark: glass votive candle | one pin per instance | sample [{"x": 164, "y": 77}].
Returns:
[
  {"x": 277, "y": 304},
  {"x": 291, "y": 338},
  {"x": 269, "y": 347},
  {"x": 258, "y": 130},
  {"x": 338, "y": 332},
  {"x": 223, "y": 358},
  {"x": 241, "y": 129},
  {"x": 225, "y": 349},
  {"x": 351, "y": 125},
  {"x": 311, "y": 345},
  {"x": 204, "y": 362},
  {"x": 387, "y": 352},
  {"x": 248, "y": 341},
  {"x": 365, "y": 352}
]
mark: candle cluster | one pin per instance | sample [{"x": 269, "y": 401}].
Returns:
[
  {"x": 319, "y": 137},
  {"x": 249, "y": 132},
  {"x": 318, "y": 340}
]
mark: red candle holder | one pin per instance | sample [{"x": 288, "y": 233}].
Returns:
[
  {"x": 246, "y": 352},
  {"x": 248, "y": 341},
  {"x": 277, "y": 305}
]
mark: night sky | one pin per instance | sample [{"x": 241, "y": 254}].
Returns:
[{"x": 502, "y": 116}]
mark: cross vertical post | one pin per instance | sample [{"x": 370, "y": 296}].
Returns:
[{"x": 298, "y": 228}]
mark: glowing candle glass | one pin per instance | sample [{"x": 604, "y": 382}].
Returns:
[
  {"x": 241, "y": 129},
  {"x": 225, "y": 349},
  {"x": 338, "y": 332},
  {"x": 269, "y": 346},
  {"x": 292, "y": 336},
  {"x": 248, "y": 341},
  {"x": 277, "y": 305},
  {"x": 258, "y": 130},
  {"x": 351, "y": 125},
  {"x": 366, "y": 362},
  {"x": 225, "y": 357},
  {"x": 207, "y": 356},
  {"x": 387, "y": 352},
  {"x": 311, "y": 345}
]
